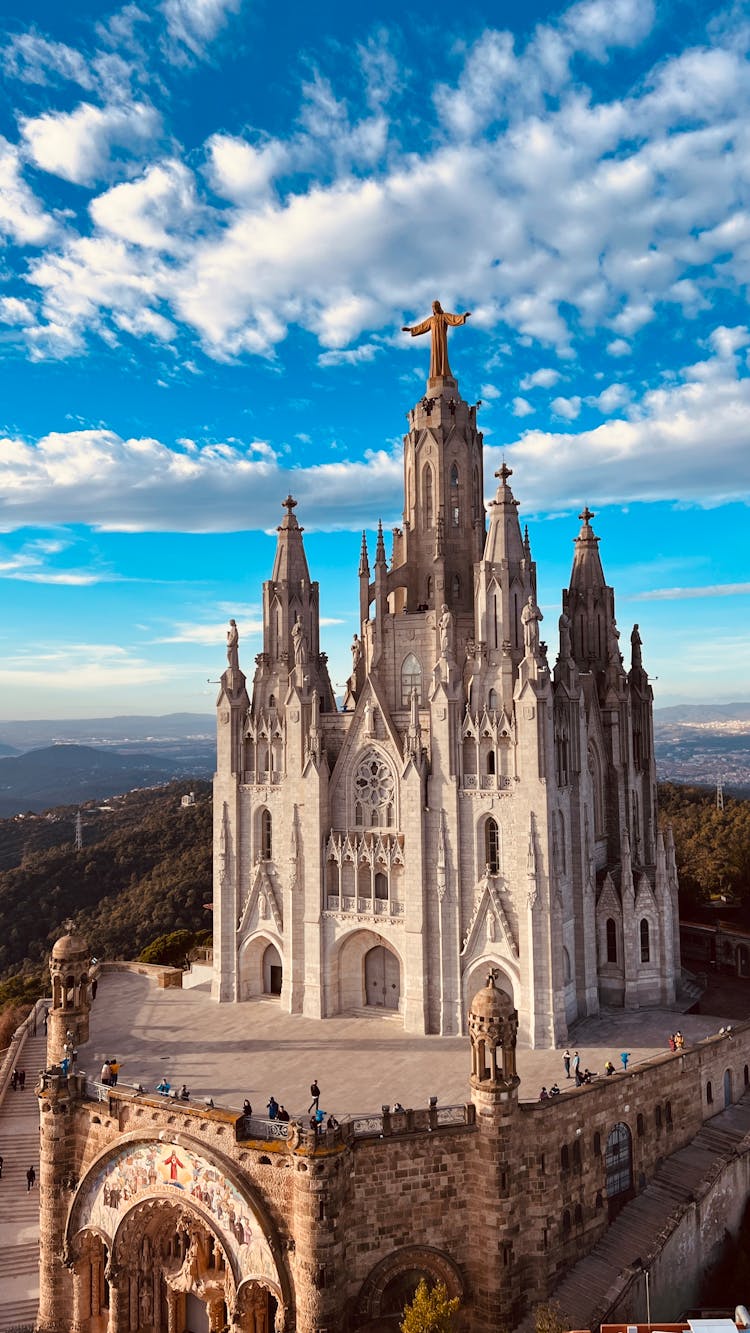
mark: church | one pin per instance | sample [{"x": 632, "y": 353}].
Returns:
[{"x": 477, "y": 800}]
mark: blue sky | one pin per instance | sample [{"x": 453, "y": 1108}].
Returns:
[{"x": 215, "y": 216}]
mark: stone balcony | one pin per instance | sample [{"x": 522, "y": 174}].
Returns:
[{"x": 363, "y": 906}]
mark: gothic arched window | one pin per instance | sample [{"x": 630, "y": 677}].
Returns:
[
  {"x": 595, "y": 769},
  {"x": 492, "y": 700},
  {"x": 381, "y": 885},
  {"x": 456, "y": 587},
  {"x": 374, "y": 790},
  {"x": 266, "y": 835},
  {"x": 645, "y": 942},
  {"x": 492, "y": 846},
  {"x": 429, "y": 503},
  {"x": 611, "y": 940},
  {"x": 411, "y": 679},
  {"x": 454, "y": 502},
  {"x": 477, "y": 495}
]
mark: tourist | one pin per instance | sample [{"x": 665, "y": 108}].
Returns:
[
  {"x": 283, "y": 1114},
  {"x": 543, "y": 1095},
  {"x": 65, "y": 1065},
  {"x": 315, "y": 1094},
  {"x": 672, "y": 1043},
  {"x": 30, "y": 1179},
  {"x": 576, "y": 1063},
  {"x": 609, "y": 1068},
  {"x": 273, "y": 1108},
  {"x": 183, "y": 1094},
  {"x": 319, "y": 1118},
  {"x": 566, "y": 1063},
  {"x": 331, "y": 1123},
  {"x": 14, "y": 1079},
  {"x": 162, "y": 1086},
  {"x": 22, "y": 1079},
  {"x": 554, "y": 1091},
  {"x": 246, "y": 1107},
  {"x": 398, "y": 1109},
  {"x": 94, "y": 986},
  {"x": 114, "y": 1069},
  {"x": 106, "y": 1074},
  {"x": 579, "y": 1078},
  {"x": 1, "y": 1166},
  {"x": 679, "y": 1040},
  {"x": 624, "y": 1056}
]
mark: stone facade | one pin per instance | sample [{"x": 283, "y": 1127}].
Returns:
[
  {"x": 160, "y": 1216},
  {"x": 470, "y": 805}
]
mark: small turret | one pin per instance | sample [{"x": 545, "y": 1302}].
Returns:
[
  {"x": 69, "y": 967},
  {"x": 493, "y": 1028}
]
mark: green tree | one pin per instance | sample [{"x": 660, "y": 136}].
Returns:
[
  {"x": 431, "y": 1311},
  {"x": 549, "y": 1318}
]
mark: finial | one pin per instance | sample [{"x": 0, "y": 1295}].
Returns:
[
  {"x": 364, "y": 564},
  {"x": 380, "y": 548},
  {"x": 586, "y": 515},
  {"x": 504, "y": 472},
  {"x": 289, "y": 504}
]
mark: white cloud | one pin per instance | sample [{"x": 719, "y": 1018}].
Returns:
[
  {"x": 350, "y": 356},
  {"x": 619, "y": 347},
  {"x": 192, "y": 24},
  {"x": 22, "y": 215},
  {"x": 210, "y": 635},
  {"x": 522, "y": 408},
  {"x": 148, "y": 211},
  {"x": 543, "y": 378},
  {"x": 710, "y": 590},
  {"x": 568, "y": 408},
  {"x": 77, "y": 145},
  {"x": 34, "y": 59},
  {"x": 243, "y": 172},
  {"x": 489, "y": 392},
  {"x": 610, "y": 399},
  {"x": 14, "y": 311}
]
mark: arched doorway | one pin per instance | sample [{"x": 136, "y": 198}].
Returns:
[
  {"x": 272, "y": 973},
  {"x": 382, "y": 979},
  {"x": 727, "y": 1087},
  {"x": 618, "y": 1166},
  {"x": 392, "y": 1283}
]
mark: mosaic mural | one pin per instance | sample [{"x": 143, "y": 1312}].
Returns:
[{"x": 143, "y": 1170}]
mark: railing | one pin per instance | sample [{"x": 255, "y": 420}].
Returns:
[
  {"x": 12, "y": 1053},
  {"x": 408, "y": 1121},
  {"x": 486, "y": 781},
  {"x": 255, "y": 1127},
  {"x": 364, "y": 906}
]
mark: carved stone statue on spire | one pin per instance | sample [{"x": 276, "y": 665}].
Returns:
[
  {"x": 635, "y": 649},
  {"x": 233, "y": 639},
  {"x": 437, "y": 324},
  {"x": 300, "y": 644},
  {"x": 530, "y": 618},
  {"x": 445, "y": 625}
]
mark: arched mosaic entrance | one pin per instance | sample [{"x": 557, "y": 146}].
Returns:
[
  {"x": 187, "y": 1249},
  {"x": 382, "y": 979}
]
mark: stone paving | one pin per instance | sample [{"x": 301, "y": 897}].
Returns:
[
  {"x": 19, "y": 1207},
  {"x": 252, "y": 1050}
]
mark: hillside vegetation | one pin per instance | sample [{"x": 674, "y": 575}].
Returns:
[
  {"x": 144, "y": 870},
  {"x": 712, "y": 846}
]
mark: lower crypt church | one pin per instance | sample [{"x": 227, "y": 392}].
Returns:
[{"x": 477, "y": 800}]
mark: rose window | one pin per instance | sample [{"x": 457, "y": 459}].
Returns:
[{"x": 373, "y": 793}]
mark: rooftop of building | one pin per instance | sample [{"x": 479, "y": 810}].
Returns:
[{"x": 230, "y": 1052}]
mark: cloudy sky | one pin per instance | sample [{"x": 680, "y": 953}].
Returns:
[{"x": 215, "y": 216}]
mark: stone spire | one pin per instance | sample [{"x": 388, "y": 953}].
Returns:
[
  {"x": 590, "y": 605},
  {"x": 504, "y": 541},
  {"x": 290, "y": 564},
  {"x": 364, "y": 563},
  {"x": 505, "y": 579},
  {"x": 380, "y": 546}
]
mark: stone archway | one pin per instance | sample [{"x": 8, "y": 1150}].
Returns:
[
  {"x": 367, "y": 969},
  {"x": 257, "y": 956},
  {"x": 392, "y": 1283}
]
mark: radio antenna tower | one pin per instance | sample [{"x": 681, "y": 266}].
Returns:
[
  {"x": 79, "y": 832},
  {"x": 719, "y": 793}
]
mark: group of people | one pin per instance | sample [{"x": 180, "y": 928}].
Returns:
[
  {"x": 676, "y": 1041},
  {"x": 277, "y": 1111},
  {"x": 18, "y": 1079},
  {"x": 110, "y": 1073},
  {"x": 30, "y": 1174}
]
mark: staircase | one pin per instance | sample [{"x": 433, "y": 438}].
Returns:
[
  {"x": 19, "y": 1207},
  {"x": 589, "y": 1291}
]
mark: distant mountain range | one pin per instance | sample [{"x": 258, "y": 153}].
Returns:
[{"x": 66, "y": 761}]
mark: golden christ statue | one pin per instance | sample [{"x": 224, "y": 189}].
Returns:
[{"x": 438, "y": 324}]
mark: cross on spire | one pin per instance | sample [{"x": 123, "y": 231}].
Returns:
[
  {"x": 504, "y": 472},
  {"x": 586, "y": 515},
  {"x": 289, "y": 504}
]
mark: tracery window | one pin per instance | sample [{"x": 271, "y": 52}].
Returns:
[
  {"x": 411, "y": 679},
  {"x": 373, "y": 793},
  {"x": 266, "y": 836},
  {"x": 645, "y": 942},
  {"x": 611, "y": 940},
  {"x": 454, "y": 503},
  {"x": 429, "y": 504},
  {"x": 492, "y": 846}
]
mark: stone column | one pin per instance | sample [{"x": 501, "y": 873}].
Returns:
[
  {"x": 216, "y": 1315},
  {"x": 119, "y": 1301},
  {"x": 318, "y": 1259},
  {"x": 55, "y": 1167},
  {"x": 81, "y": 1294}
]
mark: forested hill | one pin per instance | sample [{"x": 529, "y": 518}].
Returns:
[
  {"x": 712, "y": 846},
  {"x": 144, "y": 870}
]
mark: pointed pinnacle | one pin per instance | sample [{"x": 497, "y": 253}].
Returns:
[
  {"x": 364, "y": 564},
  {"x": 380, "y": 548}
]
